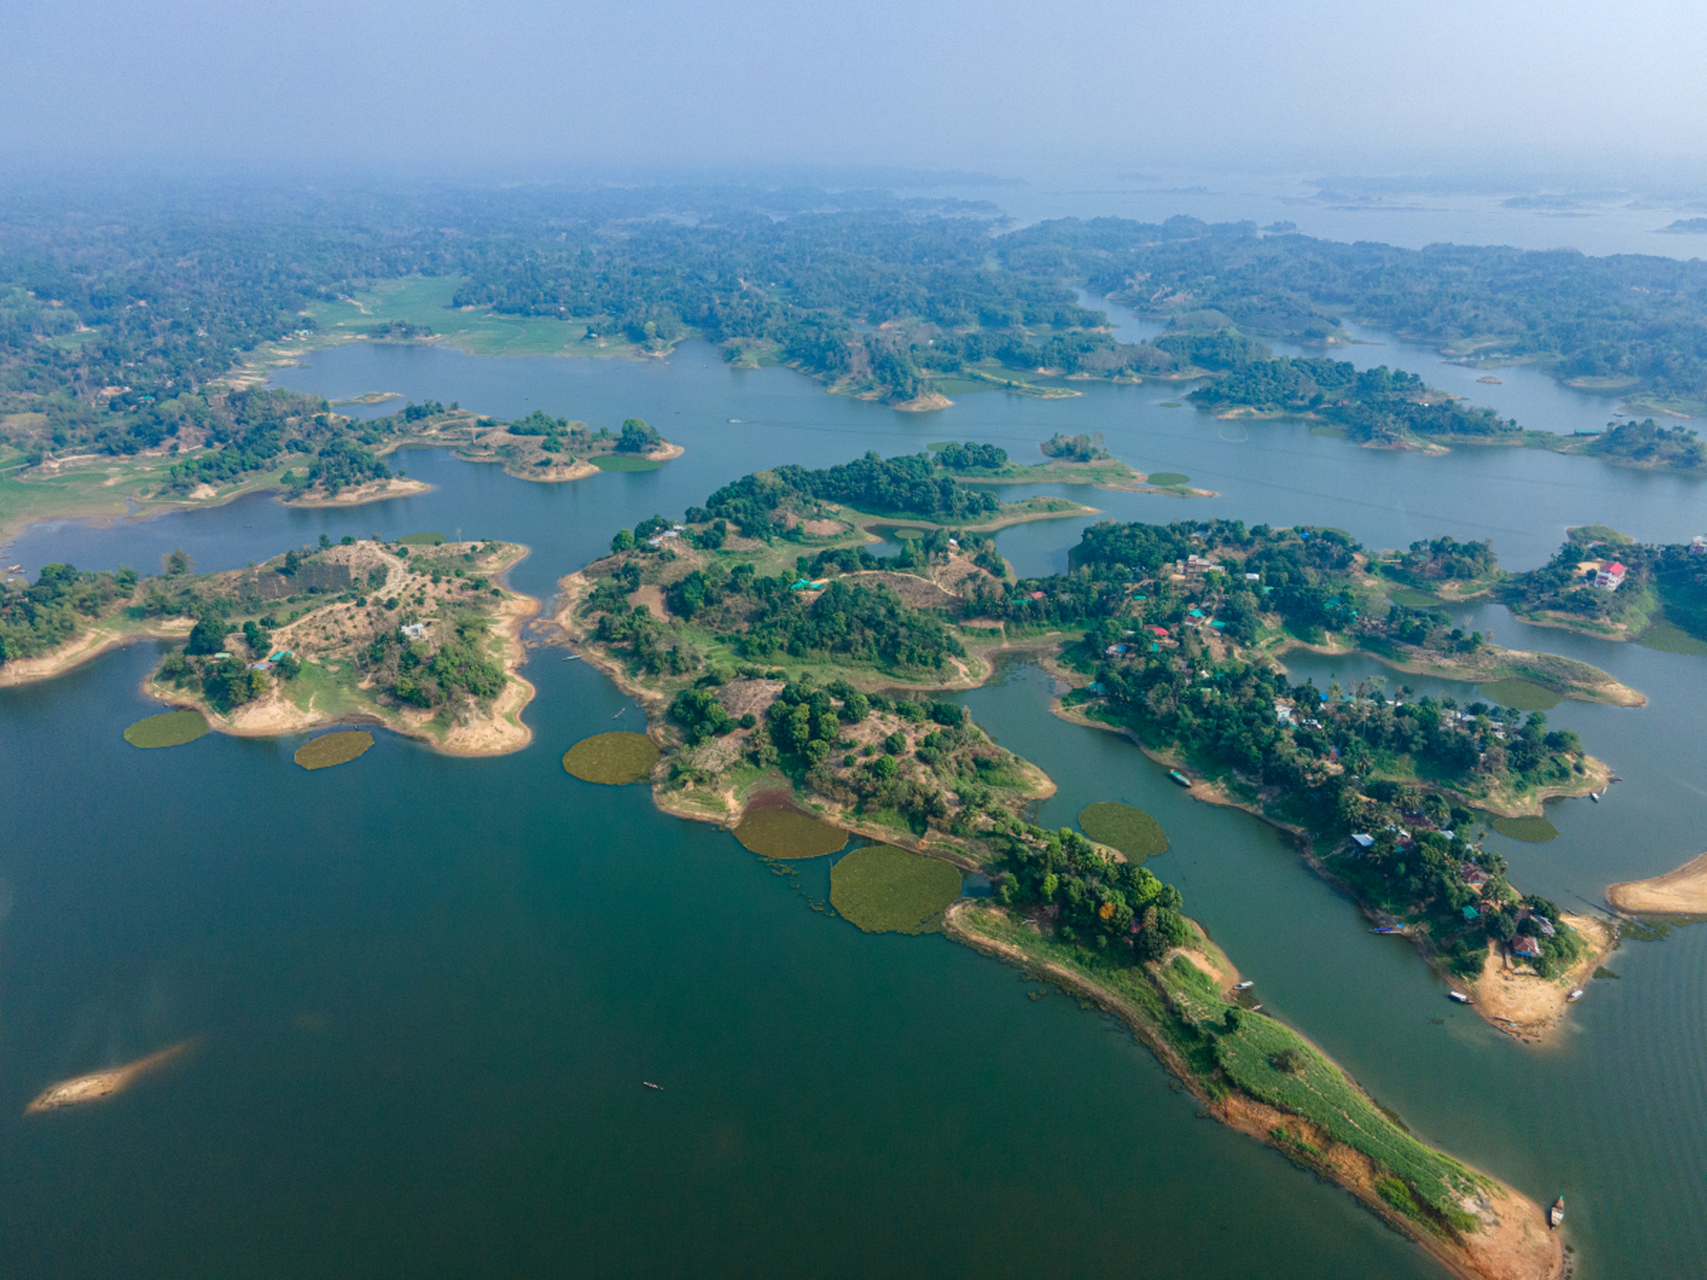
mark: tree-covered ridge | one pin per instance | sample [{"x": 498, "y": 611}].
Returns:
[
  {"x": 1628, "y": 316},
  {"x": 1651, "y": 445},
  {"x": 59, "y": 606},
  {"x": 911, "y": 485},
  {"x": 768, "y": 619},
  {"x": 1372, "y": 404}
]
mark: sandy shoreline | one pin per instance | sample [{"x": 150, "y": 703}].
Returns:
[
  {"x": 1682, "y": 892},
  {"x": 1523, "y": 1004},
  {"x": 86, "y": 648}
]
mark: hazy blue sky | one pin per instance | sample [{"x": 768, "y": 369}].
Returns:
[{"x": 999, "y": 85}]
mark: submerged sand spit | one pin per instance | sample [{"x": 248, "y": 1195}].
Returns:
[{"x": 98, "y": 1086}]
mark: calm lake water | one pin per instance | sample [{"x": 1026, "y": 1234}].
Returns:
[{"x": 429, "y": 989}]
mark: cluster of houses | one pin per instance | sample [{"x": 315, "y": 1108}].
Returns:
[
  {"x": 676, "y": 531},
  {"x": 267, "y": 663}
]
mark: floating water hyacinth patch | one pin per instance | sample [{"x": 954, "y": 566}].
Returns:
[
  {"x": 1413, "y": 599},
  {"x": 778, "y": 831},
  {"x": 612, "y": 758},
  {"x": 1531, "y": 830},
  {"x": 1134, "y": 832},
  {"x": 1168, "y": 477},
  {"x": 1521, "y": 694},
  {"x": 168, "y": 729},
  {"x": 883, "y": 889},
  {"x": 333, "y": 748}
]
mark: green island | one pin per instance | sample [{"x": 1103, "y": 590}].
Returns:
[
  {"x": 780, "y": 663},
  {"x": 420, "y": 638}
]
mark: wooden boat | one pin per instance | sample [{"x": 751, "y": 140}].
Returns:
[
  {"x": 1179, "y": 777},
  {"x": 1556, "y": 1214},
  {"x": 1460, "y": 997},
  {"x": 650, "y": 1085}
]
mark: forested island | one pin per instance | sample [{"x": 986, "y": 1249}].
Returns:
[
  {"x": 417, "y": 635},
  {"x": 778, "y": 658},
  {"x": 129, "y": 346}
]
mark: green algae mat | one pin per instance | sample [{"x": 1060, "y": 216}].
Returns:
[
  {"x": 1131, "y": 830},
  {"x": 333, "y": 748},
  {"x": 168, "y": 729},
  {"x": 1523, "y": 695},
  {"x": 1530, "y": 830},
  {"x": 883, "y": 889},
  {"x": 612, "y": 758},
  {"x": 1413, "y": 599},
  {"x": 624, "y": 462},
  {"x": 779, "y": 832},
  {"x": 1669, "y": 638},
  {"x": 1168, "y": 477}
]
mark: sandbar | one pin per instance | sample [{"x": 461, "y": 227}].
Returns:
[
  {"x": 98, "y": 1086},
  {"x": 1682, "y": 892}
]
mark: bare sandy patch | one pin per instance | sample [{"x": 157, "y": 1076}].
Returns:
[
  {"x": 374, "y": 491},
  {"x": 651, "y": 598},
  {"x": 86, "y": 647},
  {"x": 1682, "y": 892},
  {"x": 918, "y": 593},
  {"x": 1520, "y": 1001},
  {"x": 98, "y": 1086}
]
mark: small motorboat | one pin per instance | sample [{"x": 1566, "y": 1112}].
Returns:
[
  {"x": 1556, "y": 1213},
  {"x": 650, "y": 1085},
  {"x": 1459, "y": 996},
  {"x": 1595, "y": 796},
  {"x": 1574, "y": 996},
  {"x": 1179, "y": 777},
  {"x": 1246, "y": 985}
]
